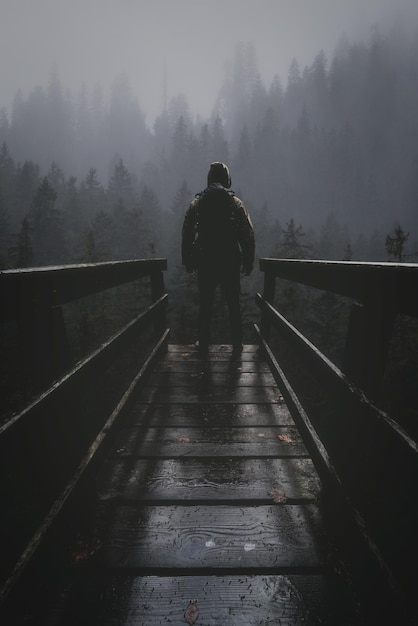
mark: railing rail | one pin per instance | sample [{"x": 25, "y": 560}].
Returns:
[
  {"x": 50, "y": 445},
  {"x": 358, "y": 449},
  {"x": 34, "y": 297},
  {"x": 63, "y": 283},
  {"x": 379, "y": 292}
]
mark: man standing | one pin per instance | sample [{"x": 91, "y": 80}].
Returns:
[{"x": 217, "y": 242}]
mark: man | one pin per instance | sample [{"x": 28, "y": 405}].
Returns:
[{"x": 217, "y": 242}]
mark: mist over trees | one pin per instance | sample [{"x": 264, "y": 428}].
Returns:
[{"x": 335, "y": 150}]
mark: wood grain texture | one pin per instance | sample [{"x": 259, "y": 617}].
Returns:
[
  {"x": 216, "y": 479},
  {"x": 269, "y": 600},
  {"x": 210, "y": 395},
  {"x": 207, "y": 496},
  {"x": 220, "y": 537},
  {"x": 215, "y": 414}
]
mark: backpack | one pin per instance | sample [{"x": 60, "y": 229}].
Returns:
[{"x": 216, "y": 232}]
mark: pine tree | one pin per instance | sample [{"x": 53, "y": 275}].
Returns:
[
  {"x": 4, "y": 234},
  {"x": 7, "y": 176},
  {"x": 292, "y": 246},
  {"x": 348, "y": 253},
  {"x": 171, "y": 243},
  {"x": 23, "y": 251},
  {"x": 294, "y": 298},
  {"x": 26, "y": 185},
  {"x": 293, "y": 96},
  {"x": 331, "y": 239},
  {"x": 103, "y": 230},
  {"x": 47, "y": 223},
  {"x": 395, "y": 245},
  {"x": 91, "y": 255},
  {"x": 91, "y": 196},
  {"x": 120, "y": 185}
]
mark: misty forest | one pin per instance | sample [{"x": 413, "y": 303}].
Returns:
[{"x": 326, "y": 164}]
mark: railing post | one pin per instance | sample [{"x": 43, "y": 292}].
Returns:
[
  {"x": 268, "y": 294},
  {"x": 157, "y": 291},
  {"x": 368, "y": 338}
]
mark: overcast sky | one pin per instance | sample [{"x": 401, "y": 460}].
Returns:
[{"x": 93, "y": 41}]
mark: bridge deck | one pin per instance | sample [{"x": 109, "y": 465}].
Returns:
[{"x": 208, "y": 496}]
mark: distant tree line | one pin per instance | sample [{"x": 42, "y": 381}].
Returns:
[{"x": 335, "y": 150}]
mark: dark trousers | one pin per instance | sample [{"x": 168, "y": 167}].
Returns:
[{"x": 228, "y": 279}]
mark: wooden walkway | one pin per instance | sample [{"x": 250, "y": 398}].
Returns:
[{"x": 206, "y": 511}]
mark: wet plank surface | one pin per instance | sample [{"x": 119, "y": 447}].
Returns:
[
  {"x": 214, "y": 414},
  {"x": 210, "y": 442},
  {"x": 219, "y": 537},
  {"x": 208, "y": 495},
  {"x": 276, "y": 600},
  {"x": 217, "y": 479}
]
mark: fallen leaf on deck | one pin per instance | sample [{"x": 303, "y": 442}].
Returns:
[
  {"x": 184, "y": 440},
  {"x": 285, "y": 438},
  {"x": 86, "y": 549},
  {"x": 191, "y": 613},
  {"x": 278, "y": 495}
]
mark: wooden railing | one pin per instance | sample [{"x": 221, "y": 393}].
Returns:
[
  {"x": 366, "y": 459},
  {"x": 50, "y": 445}
]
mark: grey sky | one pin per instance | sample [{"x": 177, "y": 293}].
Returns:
[{"x": 94, "y": 41}]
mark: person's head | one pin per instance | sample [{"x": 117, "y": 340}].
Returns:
[{"x": 219, "y": 173}]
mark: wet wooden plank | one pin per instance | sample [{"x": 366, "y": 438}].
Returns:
[
  {"x": 216, "y": 353},
  {"x": 217, "y": 367},
  {"x": 221, "y": 600},
  {"x": 227, "y": 415},
  {"x": 208, "y": 479},
  {"x": 214, "y": 349},
  {"x": 199, "y": 450},
  {"x": 221, "y": 537},
  {"x": 215, "y": 394},
  {"x": 180, "y": 442},
  {"x": 279, "y": 435},
  {"x": 197, "y": 379}
]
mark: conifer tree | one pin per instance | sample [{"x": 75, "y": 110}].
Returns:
[
  {"x": 4, "y": 234},
  {"x": 23, "y": 251},
  {"x": 395, "y": 245},
  {"x": 292, "y": 246},
  {"x": 293, "y": 298},
  {"x": 27, "y": 182},
  {"x": 47, "y": 223},
  {"x": 103, "y": 230}
]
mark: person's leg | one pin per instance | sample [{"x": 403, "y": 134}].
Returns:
[
  {"x": 231, "y": 289},
  {"x": 207, "y": 285}
]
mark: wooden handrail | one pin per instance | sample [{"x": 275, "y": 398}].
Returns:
[
  {"x": 64, "y": 283},
  {"x": 357, "y": 448},
  {"x": 378, "y": 291},
  {"x": 49, "y": 446},
  {"x": 358, "y": 281},
  {"x": 34, "y": 298}
]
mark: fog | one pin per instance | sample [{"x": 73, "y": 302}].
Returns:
[
  {"x": 111, "y": 111},
  {"x": 170, "y": 47}
]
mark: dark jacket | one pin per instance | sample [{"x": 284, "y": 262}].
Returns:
[{"x": 241, "y": 245}]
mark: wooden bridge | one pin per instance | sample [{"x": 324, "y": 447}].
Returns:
[{"x": 212, "y": 491}]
